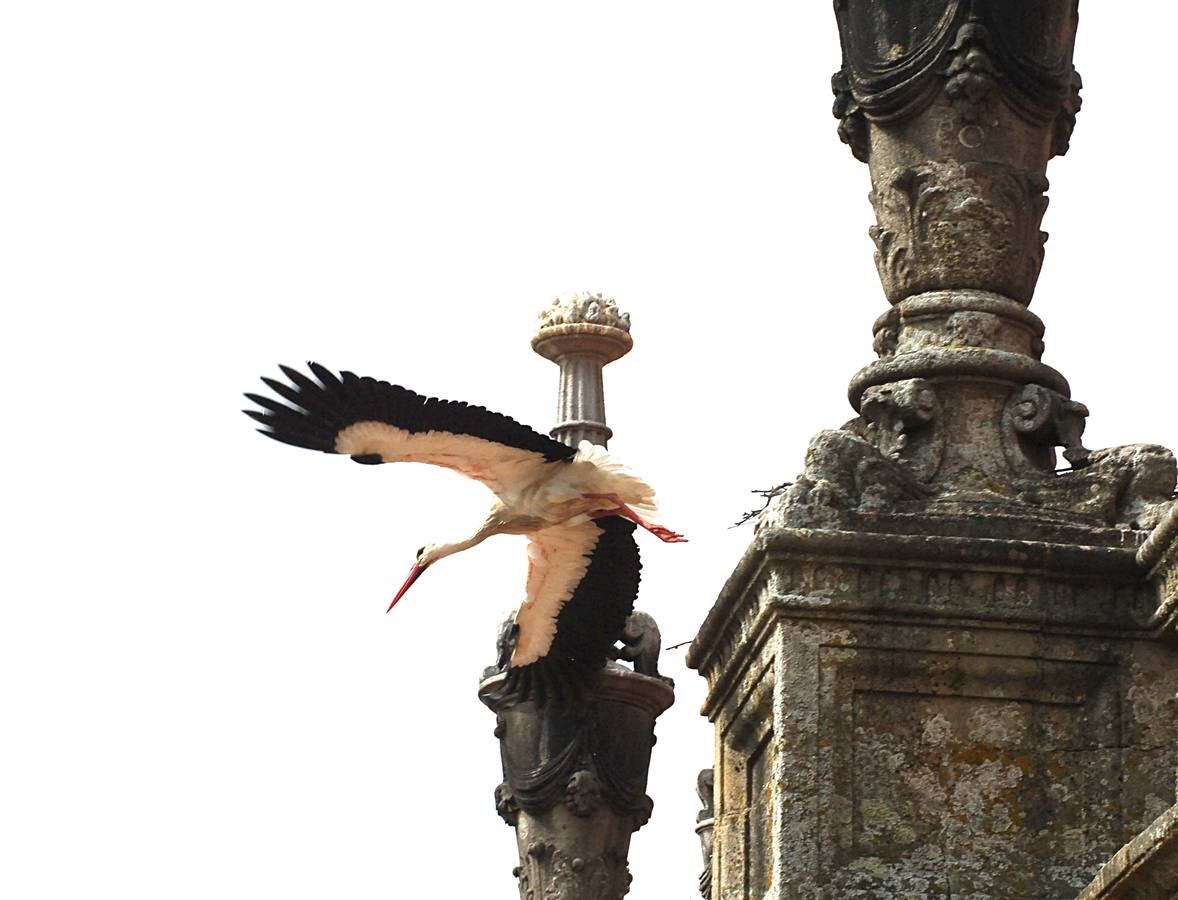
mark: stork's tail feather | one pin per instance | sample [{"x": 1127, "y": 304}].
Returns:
[
  {"x": 623, "y": 481},
  {"x": 549, "y": 680}
]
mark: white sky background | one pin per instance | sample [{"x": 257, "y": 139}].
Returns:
[{"x": 202, "y": 695}]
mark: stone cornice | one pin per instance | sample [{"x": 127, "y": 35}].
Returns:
[{"x": 769, "y": 552}]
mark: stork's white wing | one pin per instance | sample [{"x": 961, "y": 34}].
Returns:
[
  {"x": 374, "y": 421},
  {"x": 558, "y": 558},
  {"x": 498, "y": 466}
]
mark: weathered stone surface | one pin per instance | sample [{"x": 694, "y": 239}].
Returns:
[{"x": 918, "y": 716}]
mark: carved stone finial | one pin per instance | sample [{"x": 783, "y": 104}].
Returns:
[{"x": 585, "y": 309}]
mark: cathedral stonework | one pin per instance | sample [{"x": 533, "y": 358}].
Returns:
[{"x": 945, "y": 666}]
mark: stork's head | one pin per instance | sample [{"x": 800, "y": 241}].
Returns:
[{"x": 426, "y": 556}]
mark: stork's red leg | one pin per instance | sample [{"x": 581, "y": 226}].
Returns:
[{"x": 663, "y": 534}]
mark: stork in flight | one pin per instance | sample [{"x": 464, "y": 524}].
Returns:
[{"x": 579, "y": 507}]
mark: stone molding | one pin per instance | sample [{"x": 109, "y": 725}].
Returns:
[{"x": 1020, "y": 584}]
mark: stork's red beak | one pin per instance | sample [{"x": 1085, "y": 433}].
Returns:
[{"x": 414, "y": 574}]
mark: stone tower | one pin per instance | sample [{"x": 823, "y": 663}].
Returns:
[{"x": 944, "y": 665}]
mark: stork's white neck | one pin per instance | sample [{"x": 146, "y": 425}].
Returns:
[{"x": 434, "y": 552}]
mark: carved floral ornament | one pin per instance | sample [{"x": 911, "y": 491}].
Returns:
[
  {"x": 945, "y": 225},
  {"x": 898, "y": 55},
  {"x": 585, "y": 309}
]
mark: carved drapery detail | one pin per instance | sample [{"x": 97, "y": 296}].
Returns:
[
  {"x": 900, "y": 55},
  {"x": 948, "y": 224}
]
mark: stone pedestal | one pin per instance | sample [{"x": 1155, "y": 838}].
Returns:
[
  {"x": 574, "y": 783},
  {"x": 904, "y": 715},
  {"x": 943, "y": 667}
]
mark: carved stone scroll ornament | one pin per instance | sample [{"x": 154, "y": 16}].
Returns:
[
  {"x": 899, "y": 56},
  {"x": 1127, "y": 486},
  {"x": 1045, "y": 419},
  {"x": 947, "y": 224}
]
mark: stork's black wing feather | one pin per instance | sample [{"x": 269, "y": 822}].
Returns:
[
  {"x": 317, "y": 412},
  {"x": 588, "y": 625}
]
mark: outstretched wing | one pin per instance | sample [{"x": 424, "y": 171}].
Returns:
[
  {"x": 582, "y": 583},
  {"x": 376, "y": 422}
]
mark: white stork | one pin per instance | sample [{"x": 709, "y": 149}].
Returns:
[{"x": 579, "y": 508}]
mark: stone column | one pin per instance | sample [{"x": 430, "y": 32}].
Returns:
[
  {"x": 574, "y": 777},
  {"x": 582, "y": 334},
  {"x": 939, "y": 669}
]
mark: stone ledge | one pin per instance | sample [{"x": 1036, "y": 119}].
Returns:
[
  {"x": 768, "y": 552},
  {"x": 1145, "y": 868}
]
